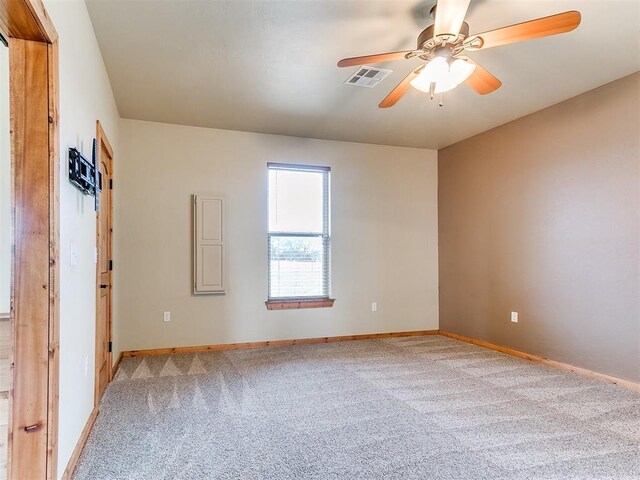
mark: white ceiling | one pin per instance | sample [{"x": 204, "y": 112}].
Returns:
[{"x": 270, "y": 66}]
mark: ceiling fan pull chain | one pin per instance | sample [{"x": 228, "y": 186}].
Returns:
[{"x": 441, "y": 102}]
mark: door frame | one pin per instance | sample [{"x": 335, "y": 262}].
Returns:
[
  {"x": 32, "y": 450},
  {"x": 102, "y": 140}
]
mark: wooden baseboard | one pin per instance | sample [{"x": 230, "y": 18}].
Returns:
[
  {"x": 545, "y": 361},
  {"x": 274, "y": 343},
  {"x": 73, "y": 461},
  {"x": 114, "y": 369}
]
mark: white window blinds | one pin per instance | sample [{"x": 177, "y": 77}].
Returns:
[{"x": 299, "y": 232}]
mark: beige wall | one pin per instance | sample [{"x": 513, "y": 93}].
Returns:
[
  {"x": 542, "y": 216},
  {"x": 384, "y": 244},
  {"x": 85, "y": 96}
]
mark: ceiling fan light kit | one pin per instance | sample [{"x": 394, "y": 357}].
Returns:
[
  {"x": 442, "y": 44},
  {"x": 439, "y": 76}
]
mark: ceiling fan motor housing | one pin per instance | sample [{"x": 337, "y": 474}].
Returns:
[{"x": 427, "y": 42}]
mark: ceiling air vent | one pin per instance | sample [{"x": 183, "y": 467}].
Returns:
[{"x": 368, "y": 76}]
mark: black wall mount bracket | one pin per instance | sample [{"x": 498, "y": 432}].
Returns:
[{"x": 84, "y": 174}]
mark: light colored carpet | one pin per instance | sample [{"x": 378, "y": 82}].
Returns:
[{"x": 408, "y": 408}]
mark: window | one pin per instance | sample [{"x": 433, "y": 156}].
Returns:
[{"x": 299, "y": 236}]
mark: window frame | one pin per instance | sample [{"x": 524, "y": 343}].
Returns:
[{"x": 317, "y": 301}]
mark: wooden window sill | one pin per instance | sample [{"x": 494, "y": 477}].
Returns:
[{"x": 299, "y": 303}]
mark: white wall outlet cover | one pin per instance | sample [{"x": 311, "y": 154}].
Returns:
[
  {"x": 86, "y": 366},
  {"x": 514, "y": 317},
  {"x": 167, "y": 316},
  {"x": 374, "y": 307}
]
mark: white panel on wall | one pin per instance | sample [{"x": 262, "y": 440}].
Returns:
[{"x": 208, "y": 250}]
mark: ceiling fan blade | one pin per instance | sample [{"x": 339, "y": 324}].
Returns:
[
  {"x": 542, "y": 27},
  {"x": 378, "y": 58},
  {"x": 481, "y": 80},
  {"x": 449, "y": 16},
  {"x": 397, "y": 93}
]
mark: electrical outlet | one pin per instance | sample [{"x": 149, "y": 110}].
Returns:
[
  {"x": 514, "y": 317},
  {"x": 374, "y": 307},
  {"x": 167, "y": 316},
  {"x": 86, "y": 366}
]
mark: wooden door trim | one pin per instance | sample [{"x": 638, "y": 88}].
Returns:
[
  {"x": 26, "y": 20},
  {"x": 101, "y": 136},
  {"x": 54, "y": 257},
  {"x": 34, "y": 316},
  {"x": 101, "y": 139}
]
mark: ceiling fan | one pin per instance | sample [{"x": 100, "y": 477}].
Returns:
[{"x": 442, "y": 45}]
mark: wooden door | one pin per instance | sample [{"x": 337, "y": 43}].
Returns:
[{"x": 103, "y": 280}]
